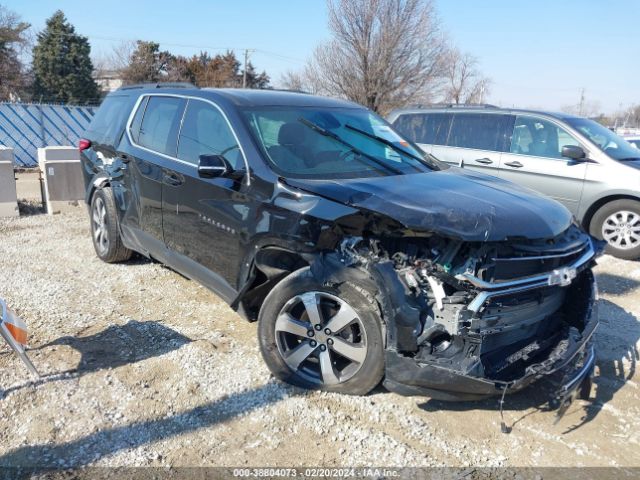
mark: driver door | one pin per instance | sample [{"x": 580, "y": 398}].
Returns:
[
  {"x": 535, "y": 161},
  {"x": 204, "y": 217}
]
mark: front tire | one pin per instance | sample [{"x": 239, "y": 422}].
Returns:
[
  {"x": 320, "y": 337},
  {"x": 618, "y": 223},
  {"x": 104, "y": 228}
]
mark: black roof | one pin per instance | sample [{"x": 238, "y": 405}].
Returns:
[
  {"x": 253, "y": 97},
  {"x": 242, "y": 97}
]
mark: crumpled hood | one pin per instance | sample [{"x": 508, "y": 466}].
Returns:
[{"x": 453, "y": 202}]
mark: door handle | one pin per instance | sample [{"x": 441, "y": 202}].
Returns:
[
  {"x": 484, "y": 161},
  {"x": 173, "y": 179},
  {"x": 514, "y": 164},
  {"x": 124, "y": 157}
]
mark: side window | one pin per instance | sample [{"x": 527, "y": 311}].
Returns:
[
  {"x": 158, "y": 127},
  {"x": 539, "y": 138},
  {"x": 205, "y": 131},
  {"x": 108, "y": 124},
  {"x": 481, "y": 131},
  {"x": 426, "y": 128},
  {"x": 439, "y": 126},
  {"x": 411, "y": 127},
  {"x": 137, "y": 119}
]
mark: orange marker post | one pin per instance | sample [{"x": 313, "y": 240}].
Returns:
[{"x": 14, "y": 332}]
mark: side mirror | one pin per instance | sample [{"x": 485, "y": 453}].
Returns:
[
  {"x": 574, "y": 152},
  {"x": 212, "y": 166}
]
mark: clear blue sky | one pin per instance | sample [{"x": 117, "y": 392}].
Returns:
[{"x": 537, "y": 53}]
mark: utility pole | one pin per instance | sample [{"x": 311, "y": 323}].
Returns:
[
  {"x": 244, "y": 72},
  {"x": 581, "y": 107}
]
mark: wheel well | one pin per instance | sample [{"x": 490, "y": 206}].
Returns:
[
  {"x": 270, "y": 266},
  {"x": 94, "y": 187},
  {"x": 588, "y": 216}
]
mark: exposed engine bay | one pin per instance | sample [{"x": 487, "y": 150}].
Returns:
[{"x": 474, "y": 317}]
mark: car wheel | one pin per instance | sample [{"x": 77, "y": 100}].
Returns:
[
  {"x": 618, "y": 223},
  {"x": 104, "y": 228},
  {"x": 320, "y": 337}
]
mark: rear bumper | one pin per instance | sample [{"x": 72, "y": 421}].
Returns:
[{"x": 567, "y": 365}]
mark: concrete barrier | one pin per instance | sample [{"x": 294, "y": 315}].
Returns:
[
  {"x": 8, "y": 200},
  {"x": 63, "y": 181}
]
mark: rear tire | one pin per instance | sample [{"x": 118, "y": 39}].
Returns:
[
  {"x": 105, "y": 231},
  {"x": 618, "y": 223},
  {"x": 348, "y": 360}
]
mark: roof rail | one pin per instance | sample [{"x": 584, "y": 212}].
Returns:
[
  {"x": 454, "y": 105},
  {"x": 290, "y": 90},
  {"x": 159, "y": 85}
]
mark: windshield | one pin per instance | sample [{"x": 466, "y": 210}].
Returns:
[
  {"x": 610, "y": 143},
  {"x": 333, "y": 143}
]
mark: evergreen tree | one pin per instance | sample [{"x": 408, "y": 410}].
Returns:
[
  {"x": 62, "y": 66},
  {"x": 146, "y": 64},
  {"x": 255, "y": 79}
]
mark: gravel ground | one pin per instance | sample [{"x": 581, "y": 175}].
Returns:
[{"x": 143, "y": 367}]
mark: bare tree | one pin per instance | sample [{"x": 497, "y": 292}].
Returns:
[
  {"x": 13, "y": 42},
  {"x": 117, "y": 59},
  {"x": 302, "y": 81},
  {"x": 383, "y": 54},
  {"x": 292, "y": 80},
  {"x": 463, "y": 81},
  {"x": 584, "y": 108}
]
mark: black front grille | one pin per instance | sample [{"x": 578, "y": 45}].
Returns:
[{"x": 528, "y": 259}]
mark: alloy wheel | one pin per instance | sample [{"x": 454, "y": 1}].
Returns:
[
  {"x": 99, "y": 224},
  {"x": 321, "y": 338},
  {"x": 622, "y": 230}
]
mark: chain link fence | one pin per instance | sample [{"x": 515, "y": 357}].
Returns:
[{"x": 25, "y": 127}]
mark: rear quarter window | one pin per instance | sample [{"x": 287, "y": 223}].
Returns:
[
  {"x": 425, "y": 128},
  {"x": 108, "y": 124},
  {"x": 479, "y": 131}
]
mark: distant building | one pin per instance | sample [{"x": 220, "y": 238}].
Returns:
[
  {"x": 108, "y": 80},
  {"x": 627, "y": 131}
]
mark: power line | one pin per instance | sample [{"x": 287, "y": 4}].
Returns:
[{"x": 183, "y": 45}]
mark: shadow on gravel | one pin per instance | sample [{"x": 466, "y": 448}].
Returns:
[
  {"x": 535, "y": 397},
  {"x": 121, "y": 345},
  {"x": 83, "y": 451},
  {"x": 616, "y": 345},
  {"x": 616, "y": 340},
  {"x": 113, "y": 347},
  {"x": 30, "y": 207},
  {"x": 615, "y": 284}
]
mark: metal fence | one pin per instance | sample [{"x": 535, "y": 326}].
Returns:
[{"x": 27, "y": 126}]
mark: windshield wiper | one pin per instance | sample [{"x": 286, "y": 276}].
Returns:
[
  {"x": 337, "y": 138},
  {"x": 388, "y": 143}
]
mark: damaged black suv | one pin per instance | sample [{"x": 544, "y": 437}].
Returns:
[{"x": 361, "y": 257}]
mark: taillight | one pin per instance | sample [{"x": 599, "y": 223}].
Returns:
[{"x": 83, "y": 144}]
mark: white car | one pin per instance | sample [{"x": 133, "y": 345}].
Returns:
[{"x": 633, "y": 140}]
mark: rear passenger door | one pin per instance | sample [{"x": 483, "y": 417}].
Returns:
[
  {"x": 476, "y": 140},
  {"x": 535, "y": 160},
  {"x": 204, "y": 217},
  {"x": 153, "y": 133}
]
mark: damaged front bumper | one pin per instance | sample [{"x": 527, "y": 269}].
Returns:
[
  {"x": 567, "y": 360},
  {"x": 407, "y": 377}
]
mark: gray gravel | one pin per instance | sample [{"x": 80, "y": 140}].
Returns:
[{"x": 142, "y": 367}]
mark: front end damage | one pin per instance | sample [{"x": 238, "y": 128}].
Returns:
[{"x": 468, "y": 320}]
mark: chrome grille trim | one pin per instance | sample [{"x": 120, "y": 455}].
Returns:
[{"x": 499, "y": 289}]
